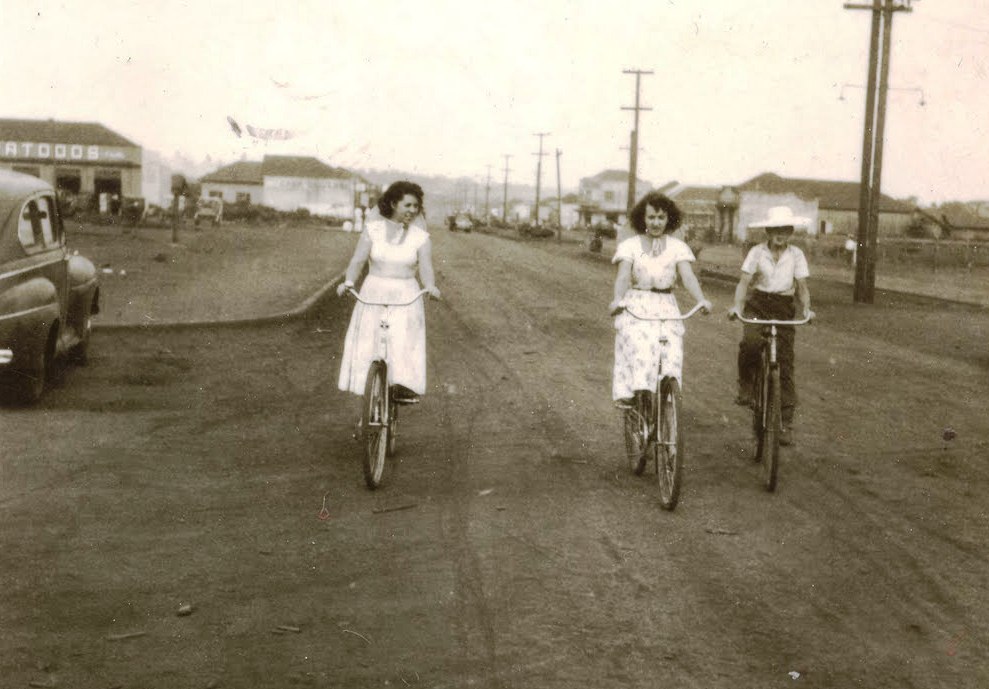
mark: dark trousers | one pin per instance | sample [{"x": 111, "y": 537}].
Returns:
[{"x": 771, "y": 307}]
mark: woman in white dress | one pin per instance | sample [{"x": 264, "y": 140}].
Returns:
[
  {"x": 394, "y": 247},
  {"x": 648, "y": 265}
]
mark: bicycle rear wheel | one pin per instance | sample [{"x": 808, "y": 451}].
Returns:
[
  {"x": 771, "y": 437},
  {"x": 375, "y": 424},
  {"x": 669, "y": 444},
  {"x": 635, "y": 426}
]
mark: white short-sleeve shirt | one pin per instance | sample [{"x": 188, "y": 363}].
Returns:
[
  {"x": 650, "y": 271},
  {"x": 775, "y": 277}
]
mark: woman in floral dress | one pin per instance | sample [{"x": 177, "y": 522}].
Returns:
[{"x": 648, "y": 265}]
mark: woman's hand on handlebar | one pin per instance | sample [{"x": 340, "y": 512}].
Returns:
[
  {"x": 433, "y": 291},
  {"x": 733, "y": 313},
  {"x": 342, "y": 288},
  {"x": 706, "y": 306},
  {"x": 616, "y": 307}
]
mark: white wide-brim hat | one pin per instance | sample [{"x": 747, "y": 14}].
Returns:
[{"x": 781, "y": 216}]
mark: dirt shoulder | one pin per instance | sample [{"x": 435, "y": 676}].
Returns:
[{"x": 229, "y": 273}]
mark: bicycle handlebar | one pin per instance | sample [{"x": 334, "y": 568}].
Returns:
[
  {"x": 680, "y": 317},
  {"x": 758, "y": 321},
  {"x": 380, "y": 303}
]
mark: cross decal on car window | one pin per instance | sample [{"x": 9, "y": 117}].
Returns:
[{"x": 35, "y": 215}]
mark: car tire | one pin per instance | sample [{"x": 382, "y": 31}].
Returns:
[
  {"x": 31, "y": 383},
  {"x": 80, "y": 352}
]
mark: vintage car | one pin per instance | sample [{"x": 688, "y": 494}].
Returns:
[
  {"x": 47, "y": 296},
  {"x": 464, "y": 222},
  {"x": 208, "y": 210}
]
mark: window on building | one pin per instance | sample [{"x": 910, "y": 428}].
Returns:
[
  {"x": 68, "y": 180},
  {"x": 609, "y": 197},
  {"x": 243, "y": 197},
  {"x": 216, "y": 194}
]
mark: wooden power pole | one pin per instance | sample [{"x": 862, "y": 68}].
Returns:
[
  {"x": 504, "y": 201},
  {"x": 872, "y": 143},
  {"x": 559, "y": 199},
  {"x": 539, "y": 172},
  {"x": 633, "y": 147}
]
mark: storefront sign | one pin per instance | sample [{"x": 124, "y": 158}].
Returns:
[{"x": 78, "y": 153}]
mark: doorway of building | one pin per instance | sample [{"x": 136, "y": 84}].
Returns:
[{"x": 106, "y": 189}]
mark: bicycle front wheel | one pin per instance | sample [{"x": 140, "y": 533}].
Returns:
[
  {"x": 771, "y": 437},
  {"x": 375, "y": 424},
  {"x": 669, "y": 444},
  {"x": 759, "y": 405},
  {"x": 392, "y": 425}
]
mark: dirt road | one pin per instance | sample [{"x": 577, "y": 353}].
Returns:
[{"x": 510, "y": 547}]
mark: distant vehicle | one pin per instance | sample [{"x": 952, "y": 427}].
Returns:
[
  {"x": 536, "y": 231},
  {"x": 47, "y": 297},
  {"x": 208, "y": 209},
  {"x": 463, "y": 222}
]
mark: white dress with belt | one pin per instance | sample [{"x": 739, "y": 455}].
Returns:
[
  {"x": 407, "y": 324},
  {"x": 637, "y": 342}
]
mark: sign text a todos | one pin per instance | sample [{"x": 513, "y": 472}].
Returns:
[{"x": 30, "y": 150}]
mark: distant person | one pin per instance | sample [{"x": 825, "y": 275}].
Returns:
[
  {"x": 358, "y": 219},
  {"x": 394, "y": 247},
  {"x": 851, "y": 248},
  {"x": 777, "y": 272},
  {"x": 648, "y": 265}
]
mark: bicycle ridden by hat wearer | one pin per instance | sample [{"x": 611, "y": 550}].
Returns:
[
  {"x": 648, "y": 265},
  {"x": 394, "y": 247},
  {"x": 777, "y": 272}
]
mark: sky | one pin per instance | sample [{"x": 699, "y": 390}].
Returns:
[{"x": 738, "y": 87}]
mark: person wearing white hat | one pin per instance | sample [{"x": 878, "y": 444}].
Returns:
[{"x": 776, "y": 272}]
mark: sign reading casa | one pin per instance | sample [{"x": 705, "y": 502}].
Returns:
[{"x": 29, "y": 150}]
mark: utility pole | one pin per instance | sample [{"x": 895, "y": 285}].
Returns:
[
  {"x": 633, "y": 155},
  {"x": 872, "y": 143},
  {"x": 539, "y": 171},
  {"x": 487, "y": 197},
  {"x": 504, "y": 202},
  {"x": 559, "y": 199}
]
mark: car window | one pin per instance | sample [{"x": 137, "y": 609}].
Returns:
[
  {"x": 49, "y": 206},
  {"x": 35, "y": 228},
  {"x": 57, "y": 226}
]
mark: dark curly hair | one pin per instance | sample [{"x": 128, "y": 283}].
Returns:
[
  {"x": 660, "y": 202},
  {"x": 395, "y": 192}
]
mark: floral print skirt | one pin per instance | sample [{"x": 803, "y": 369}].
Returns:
[{"x": 638, "y": 344}]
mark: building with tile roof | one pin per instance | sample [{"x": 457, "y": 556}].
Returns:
[
  {"x": 74, "y": 157},
  {"x": 957, "y": 220},
  {"x": 289, "y": 183},
  {"x": 604, "y": 196},
  {"x": 837, "y": 203}
]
